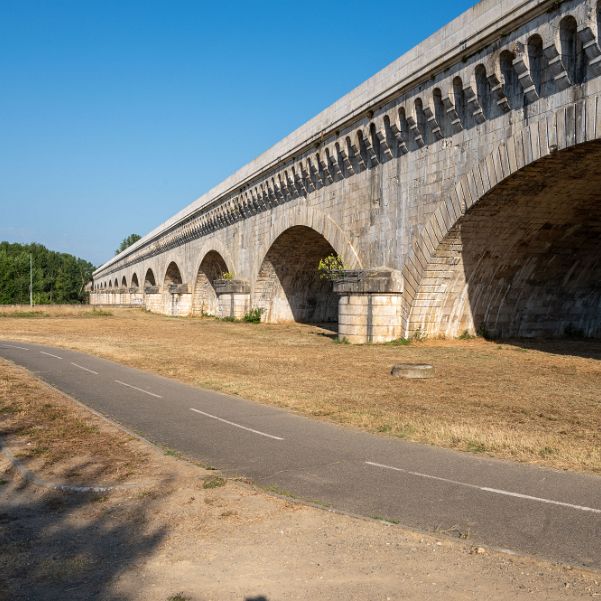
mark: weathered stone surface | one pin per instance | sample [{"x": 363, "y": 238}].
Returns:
[
  {"x": 368, "y": 280},
  {"x": 231, "y": 286},
  {"x": 466, "y": 170}
]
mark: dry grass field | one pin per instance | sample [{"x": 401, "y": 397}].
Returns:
[{"x": 537, "y": 401}]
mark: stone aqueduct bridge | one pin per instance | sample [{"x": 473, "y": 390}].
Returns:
[{"x": 461, "y": 185}]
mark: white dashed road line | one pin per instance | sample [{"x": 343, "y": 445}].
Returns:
[
  {"x": 22, "y": 348},
  {"x": 50, "y": 355},
  {"x": 157, "y": 396},
  {"x": 496, "y": 491},
  {"x": 225, "y": 421},
  {"x": 84, "y": 368}
]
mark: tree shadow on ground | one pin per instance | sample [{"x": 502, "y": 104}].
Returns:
[{"x": 62, "y": 545}]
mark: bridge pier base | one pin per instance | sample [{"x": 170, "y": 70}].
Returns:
[
  {"x": 233, "y": 298},
  {"x": 178, "y": 300},
  {"x": 370, "y": 305}
]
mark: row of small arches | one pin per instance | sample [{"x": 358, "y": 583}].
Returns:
[{"x": 172, "y": 277}]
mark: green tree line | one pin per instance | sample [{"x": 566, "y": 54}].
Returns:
[{"x": 57, "y": 277}]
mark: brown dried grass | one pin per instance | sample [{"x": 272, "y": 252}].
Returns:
[
  {"x": 538, "y": 402},
  {"x": 49, "y": 433}
]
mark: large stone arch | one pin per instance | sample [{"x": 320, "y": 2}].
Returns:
[
  {"x": 514, "y": 250},
  {"x": 318, "y": 221},
  {"x": 288, "y": 286},
  {"x": 212, "y": 266},
  {"x": 172, "y": 277},
  {"x": 150, "y": 279}
]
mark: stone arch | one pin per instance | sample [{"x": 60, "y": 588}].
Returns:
[
  {"x": 322, "y": 224},
  {"x": 288, "y": 286},
  {"x": 204, "y": 298},
  {"x": 483, "y": 93},
  {"x": 116, "y": 283},
  {"x": 440, "y": 113},
  {"x": 149, "y": 279},
  {"x": 420, "y": 118},
  {"x": 123, "y": 282},
  {"x": 511, "y": 84},
  {"x": 458, "y": 95},
  {"x": 457, "y": 279},
  {"x": 573, "y": 56},
  {"x": 173, "y": 276},
  {"x": 134, "y": 281},
  {"x": 536, "y": 62}
]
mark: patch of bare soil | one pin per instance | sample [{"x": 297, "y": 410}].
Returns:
[
  {"x": 534, "y": 401},
  {"x": 185, "y": 533}
]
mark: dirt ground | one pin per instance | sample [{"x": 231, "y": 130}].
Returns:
[
  {"x": 534, "y": 401},
  {"x": 181, "y": 532}
]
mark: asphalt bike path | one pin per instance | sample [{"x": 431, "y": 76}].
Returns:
[{"x": 525, "y": 509}]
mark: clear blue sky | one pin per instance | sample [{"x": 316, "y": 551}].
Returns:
[{"x": 115, "y": 114}]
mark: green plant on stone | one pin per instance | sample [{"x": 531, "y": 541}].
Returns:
[
  {"x": 254, "y": 315},
  {"x": 227, "y": 275},
  {"x": 465, "y": 335},
  {"x": 330, "y": 267}
]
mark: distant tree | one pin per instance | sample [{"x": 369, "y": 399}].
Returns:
[
  {"x": 126, "y": 242},
  {"x": 57, "y": 277}
]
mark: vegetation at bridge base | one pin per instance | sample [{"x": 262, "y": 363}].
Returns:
[{"x": 58, "y": 278}]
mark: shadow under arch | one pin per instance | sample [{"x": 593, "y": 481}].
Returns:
[
  {"x": 288, "y": 286},
  {"x": 173, "y": 276},
  {"x": 149, "y": 279},
  {"x": 204, "y": 298},
  {"x": 525, "y": 260}
]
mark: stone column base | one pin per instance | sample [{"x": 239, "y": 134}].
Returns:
[
  {"x": 178, "y": 305},
  {"x": 233, "y": 298},
  {"x": 136, "y": 299},
  {"x": 153, "y": 302},
  {"x": 370, "y": 306}
]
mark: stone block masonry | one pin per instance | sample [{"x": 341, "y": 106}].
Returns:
[{"x": 464, "y": 174}]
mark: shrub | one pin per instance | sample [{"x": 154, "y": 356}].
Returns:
[
  {"x": 253, "y": 316},
  {"x": 399, "y": 342},
  {"x": 330, "y": 267},
  {"x": 213, "y": 482}
]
